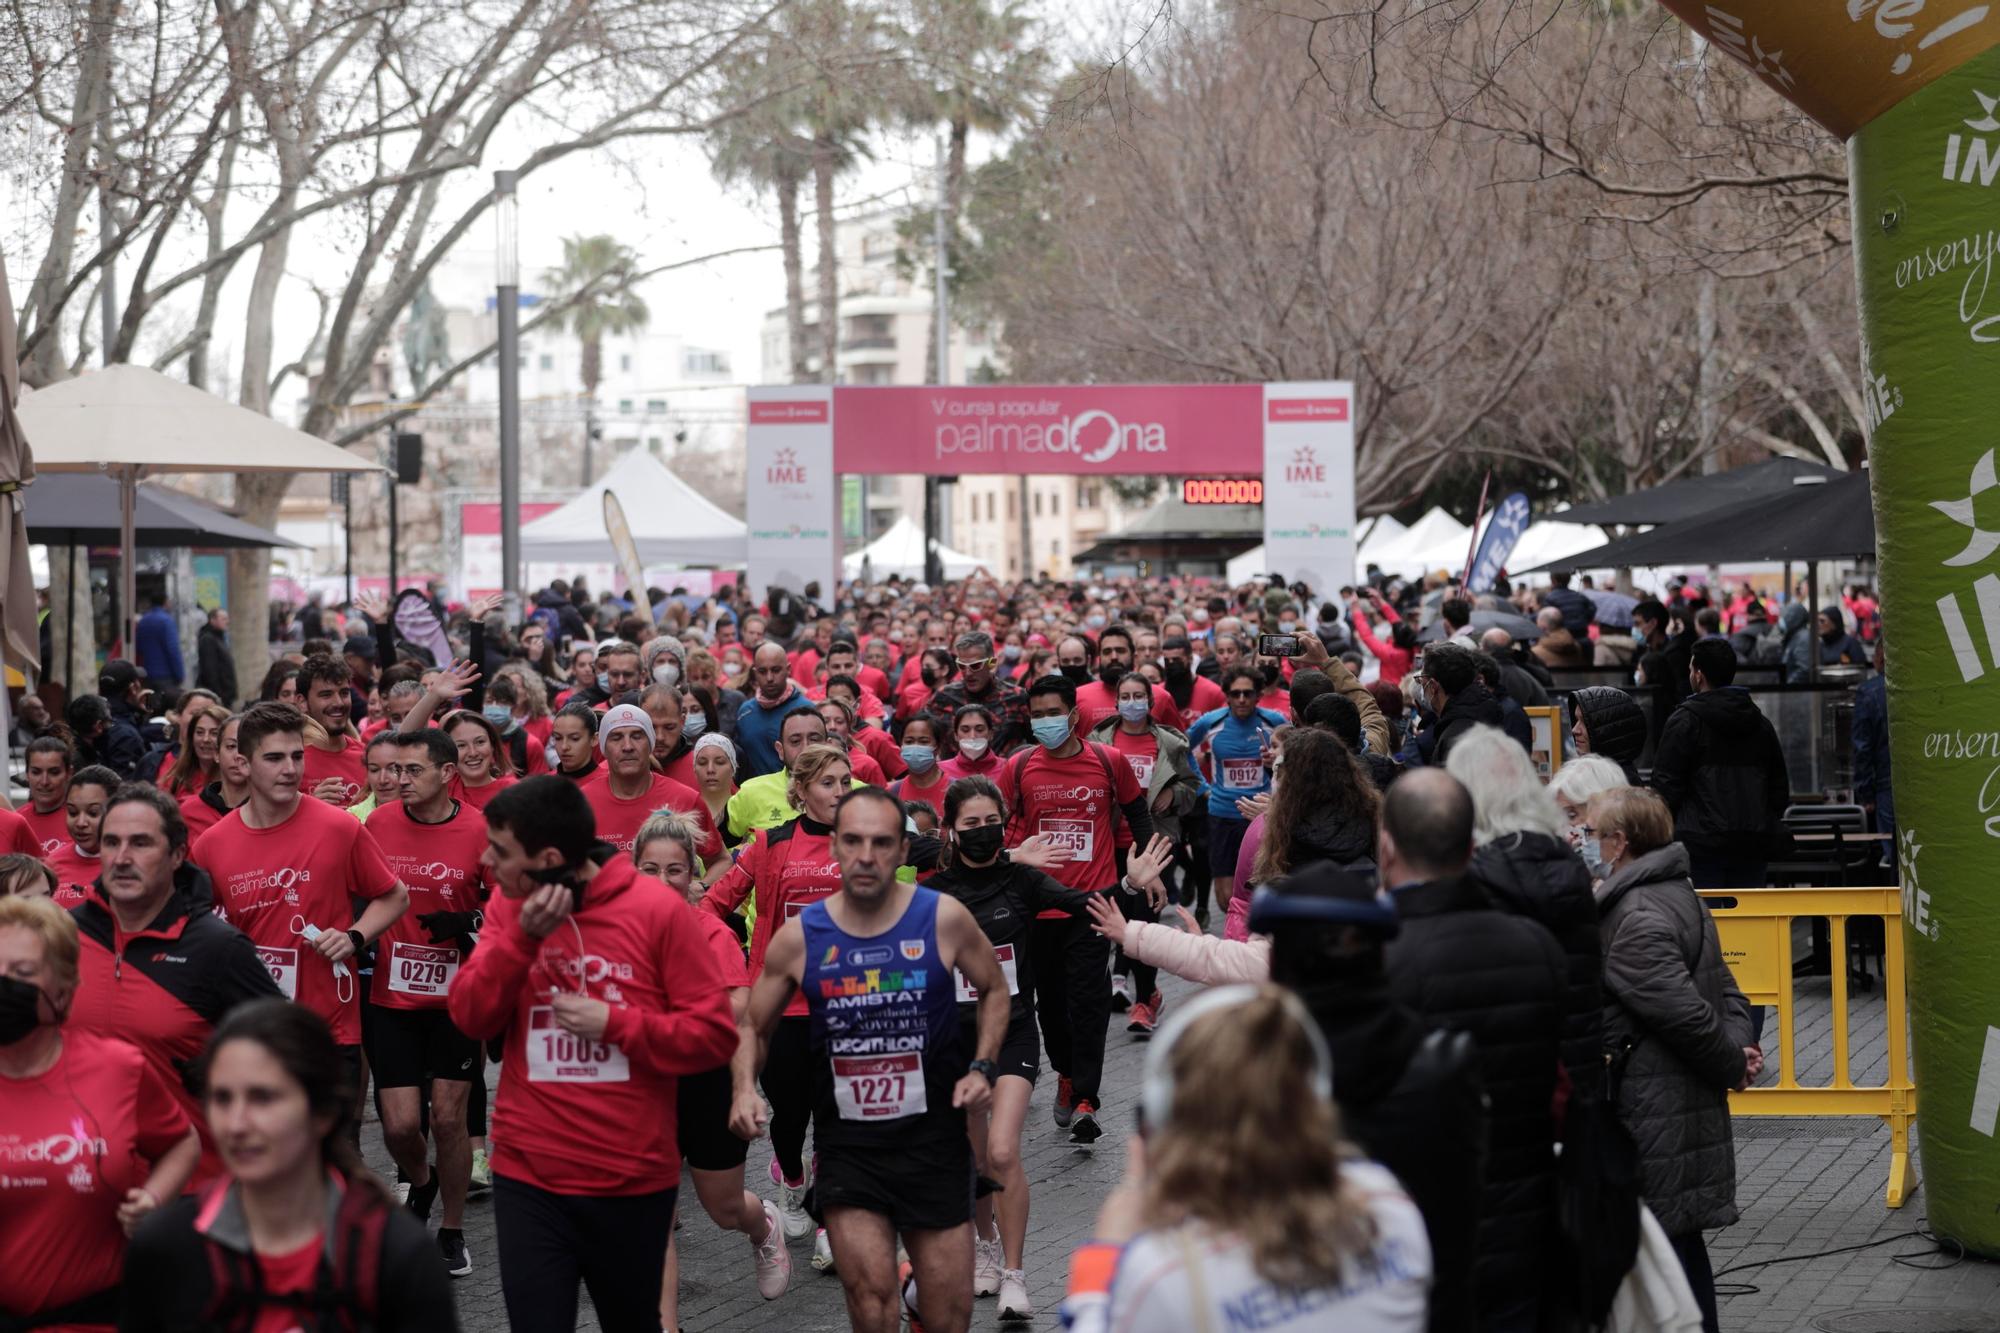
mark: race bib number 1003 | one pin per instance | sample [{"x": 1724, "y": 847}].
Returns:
[{"x": 556, "y": 1056}]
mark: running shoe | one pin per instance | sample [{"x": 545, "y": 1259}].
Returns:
[
  {"x": 906, "y": 1282},
  {"x": 1146, "y": 1014},
  {"x": 792, "y": 1203},
  {"x": 774, "y": 1261},
  {"x": 1015, "y": 1306},
  {"x": 822, "y": 1260},
  {"x": 482, "y": 1173},
  {"x": 1085, "y": 1129},
  {"x": 1121, "y": 993},
  {"x": 1065, "y": 1101},
  {"x": 423, "y": 1196},
  {"x": 987, "y": 1261},
  {"x": 457, "y": 1259}
]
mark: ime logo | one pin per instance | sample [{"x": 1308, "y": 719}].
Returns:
[
  {"x": 785, "y": 469},
  {"x": 1305, "y": 466}
]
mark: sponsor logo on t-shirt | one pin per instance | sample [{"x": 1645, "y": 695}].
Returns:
[{"x": 54, "y": 1150}]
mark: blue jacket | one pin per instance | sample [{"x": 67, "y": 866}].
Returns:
[
  {"x": 1872, "y": 780},
  {"x": 159, "y": 648},
  {"x": 757, "y": 733}
]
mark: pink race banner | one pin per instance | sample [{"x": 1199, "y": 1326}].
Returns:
[{"x": 1113, "y": 429}]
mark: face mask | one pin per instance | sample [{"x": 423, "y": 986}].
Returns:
[
  {"x": 667, "y": 673},
  {"x": 920, "y": 758},
  {"x": 1077, "y": 672},
  {"x": 1012, "y": 652},
  {"x": 604, "y": 682},
  {"x": 973, "y": 746},
  {"x": 1134, "y": 710},
  {"x": 20, "y": 1009},
  {"x": 1052, "y": 732},
  {"x": 1095, "y": 622},
  {"x": 1592, "y": 851},
  {"x": 1110, "y": 675},
  {"x": 1288, "y": 627},
  {"x": 1201, "y": 615},
  {"x": 695, "y": 724},
  {"x": 552, "y": 757},
  {"x": 929, "y": 677},
  {"x": 500, "y": 715},
  {"x": 980, "y": 845}
]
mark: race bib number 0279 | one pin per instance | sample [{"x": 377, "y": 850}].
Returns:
[
  {"x": 421, "y": 969},
  {"x": 284, "y": 968}
]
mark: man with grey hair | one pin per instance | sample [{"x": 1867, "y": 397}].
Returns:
[{"x": 978, "y": 683}]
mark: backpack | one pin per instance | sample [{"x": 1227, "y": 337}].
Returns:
[
  {"x": 1105, "y": 757},
  {"x": 346, "y": 1290}
]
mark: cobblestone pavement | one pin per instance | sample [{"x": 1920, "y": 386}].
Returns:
[{"x": 1803, "y": 1186}]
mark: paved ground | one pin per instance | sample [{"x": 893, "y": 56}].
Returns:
[{"x": 1804, "y": 1186}]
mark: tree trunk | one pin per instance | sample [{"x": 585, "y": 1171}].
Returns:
[
  {"x": 829, "y": 276},
  {"x": 951, "y": 200},
  {"x": 72, "y": 664},
  {"x": 789, "y": 233}
]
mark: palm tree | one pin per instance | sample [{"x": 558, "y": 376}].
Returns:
[
  {"x": 977, "y": 69},
  {"x": 841, "y": 43},
  {"x": 762, "y": 149},
  {"x": 595, "y": 281}
]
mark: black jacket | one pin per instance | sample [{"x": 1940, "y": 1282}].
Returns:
[
  {"x": 1347, "y": 843},
  {"x": 215, "y": 666},
  {"x": 1520, "y": 685},
  {"x": 1615, "y": 724},
  {"x": 1005, "y": 898},
  {"x": 122, "y": 747},
  {"x": 1675, "y": 1027},
  {"x": 1411, "y": 1097},
  {"x": 1465, "y": 966},
  {"x": 1469, "y": 708},
  {"x": 1672, "y": 677},
  {"x": 1539, "y": 877},
  {"x": 1721, "y": 770}
]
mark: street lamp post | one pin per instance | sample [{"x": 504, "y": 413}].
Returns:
[
  {"x": 507, "y": 279},
  {"x": 941, "y": 330}
]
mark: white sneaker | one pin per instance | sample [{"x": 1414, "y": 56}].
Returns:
[
  {"x": 774, "y": 1261},
  {"x": 792, "y": 1203},
  {"x": 987, "y": 1260},
  {"x": 822, "y": 1259},
  {"x": 1121, "y": 992},
  {"x": 1014, "y": 1303}
]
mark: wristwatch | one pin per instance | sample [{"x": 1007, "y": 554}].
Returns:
[
  {"x": 360, "y": 941},
  {"x": 986, "y": 1067}
]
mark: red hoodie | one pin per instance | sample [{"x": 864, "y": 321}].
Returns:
[
  {"x": 790, "y": 867},
  {"x": 596, "y": 1118}
]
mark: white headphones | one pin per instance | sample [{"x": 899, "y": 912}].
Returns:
[{"x": 1156, "y": 1103}]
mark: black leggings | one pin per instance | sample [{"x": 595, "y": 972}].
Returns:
[
  {"x": 1701, "y": 1277},
  {"x": 1145, "y": 977},
  {"x": 615, "y": 1245},
  {"x": 787, "y": 1082},
  {"x": 1073, "y": 1000}
]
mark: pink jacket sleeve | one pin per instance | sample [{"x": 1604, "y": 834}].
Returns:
[{"x": 1199, "y": 958}]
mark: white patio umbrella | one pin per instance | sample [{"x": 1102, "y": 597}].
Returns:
[{"x": 132, "y": 422}]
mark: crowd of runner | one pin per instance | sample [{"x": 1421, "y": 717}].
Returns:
[{"x": 844, "y": 877}]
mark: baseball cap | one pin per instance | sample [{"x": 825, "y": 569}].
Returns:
[
  {"x": 359, "y": 645},
  {"x": 116, "y": 678}
]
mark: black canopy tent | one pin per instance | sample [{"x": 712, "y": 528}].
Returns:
[{"x": 1698, "y": 496}]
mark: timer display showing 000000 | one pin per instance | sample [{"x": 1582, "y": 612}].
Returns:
[{"x": 1222, "y": 491}]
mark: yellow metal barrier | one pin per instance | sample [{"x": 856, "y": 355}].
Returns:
[{"x": 1755, "y": 926}]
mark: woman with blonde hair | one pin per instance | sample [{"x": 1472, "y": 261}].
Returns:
[
  {"x": 1239, "y": 1194},
  {"x": 665, "y": 848},
  {"x": 1677, "y": 1031}
]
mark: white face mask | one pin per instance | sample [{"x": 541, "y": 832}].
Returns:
[
  {"x": 667, "y": 673},
  {"x": 972, "y": 746}
]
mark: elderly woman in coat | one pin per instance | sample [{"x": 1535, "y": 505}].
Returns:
[{"x": 1676, "y": 1029}]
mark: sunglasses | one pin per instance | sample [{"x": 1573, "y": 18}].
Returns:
[{"x": 1243, "y": 694}]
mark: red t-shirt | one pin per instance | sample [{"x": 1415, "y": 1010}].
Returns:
[
  {"x": 728, "y": 952},
  {"x": 864, "y": 768},
  {"x": 1096, "y": 701},
  {"x": 270, "y": 883},
  {"x": 1072, "y": 802},
  {"x": 596, "y": 1118},
  {"x": 75, "y": 871},
  {"x": 50, "y": 831},
  {"x": 790, "y": 867},
  {"x": 199, "y": 816},
  {"x": 989, "y": 765},
  {"x": 1278, "y": 700},
  {"x": 288, "y": 1274},
  {"x": 882, "y": 748},
  {"x": 618, "y": 820},
  {"x": 1141, "y": 752},
  {"x": 17, "y": 836},
  {"x": 344, "y": 763},
  {"x": 681, "y": 769},
  {"x": 912, "y": 696},
  {"x": 905, "y": 788},
  {"x": 73, "y": 1140},
  {"x": 1206, "y": 697},
  {"x": 477, "y": 797},
  {"x": 440, "y": 865}
]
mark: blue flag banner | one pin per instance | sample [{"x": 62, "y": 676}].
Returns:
[{"x": 1509, "y": 521}]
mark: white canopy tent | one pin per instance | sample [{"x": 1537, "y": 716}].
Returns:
[
  {"x": 672, "y": 523},
  {"x": 1435, "y": 541},
  {"x": 900, "y": 550},
  {"x": 134, "y": 422},
  {"x": 1549, "y": 540}
]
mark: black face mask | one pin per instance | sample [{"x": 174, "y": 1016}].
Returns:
[
  {"x": 981, "y": 844},
  {"x": 1077, "y": 672},
  {"x": 1111, "y": 675},
  {"x": 929, "y": 678},
  {"x": 21, "y": 1008}
]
